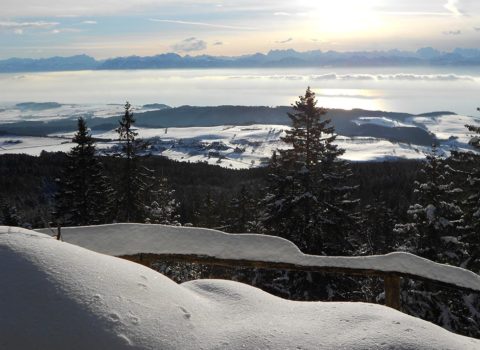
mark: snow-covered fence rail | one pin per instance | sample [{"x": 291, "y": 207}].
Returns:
[{"x": 148, "y": 243}]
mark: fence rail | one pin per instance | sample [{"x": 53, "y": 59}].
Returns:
[{"x": 146, "y": 244}]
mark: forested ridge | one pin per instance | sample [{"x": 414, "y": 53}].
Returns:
[{"x": 28, "y": 183}]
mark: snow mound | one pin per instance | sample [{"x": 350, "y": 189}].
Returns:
[
  {"x": 56, "y": 295},
  {"x": 132, "y": 239}
]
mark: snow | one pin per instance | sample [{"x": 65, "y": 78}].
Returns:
[
  {"x": 56, "y": 295},
  {"x": 383, "y": 121},
  {"x": 131, "y": 239},
  {"x": 237, "y": 147},
  {"x": 446, "y": 126},
  {"x": 362, "y": 149},
  {"x": 243, "y": 147},
  {"x": 33, "y": 145},
  {"x": 12, "y": 113}
]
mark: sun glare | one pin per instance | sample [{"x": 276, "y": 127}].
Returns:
[{"x": 344, "y": 16}]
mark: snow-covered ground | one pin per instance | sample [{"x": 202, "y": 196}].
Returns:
[
  {"x": 229, "y": 146},
  {"x": 361, "y": 149},
  {"x": 32, "y": 111},
  {"x": 251, "y": 146},
  {"x": 34, "y": 145},
  {"x": 382, "y": 121},
  {"x": 447, "y": 126},
  {"x": 56, "y": 295}
]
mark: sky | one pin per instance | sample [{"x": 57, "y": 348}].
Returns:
[{"x": 110, "y": 28}]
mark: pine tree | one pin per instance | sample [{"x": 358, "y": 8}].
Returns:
[
  {"x": 468, "y": 164},
  {"x": 242, "y": 218},
  {"x": 438, "y": 231},
  {"x": 9, "y": 216},
  {"x": 135, "y": 180},
  {"x": 207, "y": 213},
  {"x": 164, "y": 207},
  {"x": 432, "y": 232},
  {"x": 84, "y": 196},
  {"x": 376, "y": 229},
  {"x": 307, "y": 198}
]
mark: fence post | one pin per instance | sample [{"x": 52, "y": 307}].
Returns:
[
  {"x": 59, "y": 232},
  {"x": 392, "y": 291}
]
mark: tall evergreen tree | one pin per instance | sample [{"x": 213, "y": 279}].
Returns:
[
  {"x": 432, "y": 232},
  {"x": 308, "y": 200},
  {"x": 207, "y": 213},
  {"x": 468, "y": 179},
  {"x": 135, "y": 180},
  {"x": 85, "y": 195},
  {"x": 242, "y": 213},
  {"x": 376, "y": 229}
]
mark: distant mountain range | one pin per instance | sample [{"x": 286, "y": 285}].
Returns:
[{"x": 275, "y": 58}]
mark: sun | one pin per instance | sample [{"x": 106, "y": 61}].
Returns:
[{"x": 343, "y": 17}]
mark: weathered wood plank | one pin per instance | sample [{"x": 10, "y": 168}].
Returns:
[{"x": 392, "y": 291}]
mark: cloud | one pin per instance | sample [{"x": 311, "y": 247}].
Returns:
[
  {"x": 397, "y": 77},
  {"x": 453, "y": 32},
  {"x": 284, "y": 41},
  {"x": 190, "y": 44},
  {"x": 66, "y": 30},
  {"x": 202, "y": 24},
  {"x": 290, "y": 14},
  {"x": 452, "y": 6},
  {"x": 89, "y": 22},
  {"x": 19, "y": 27},
  {"x": 477, "y": 29},
  {"x": 217, "y": 43},
  {"x": 360, "y": 77},
  {"x": 425, "y": 77},
  {"x": 366, "y": 97},
  {"x": 333, "y": 76}
]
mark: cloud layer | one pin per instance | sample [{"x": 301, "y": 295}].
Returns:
[
  {"x": 362, "y": 77},
  {"x": 19, "y": 27}
]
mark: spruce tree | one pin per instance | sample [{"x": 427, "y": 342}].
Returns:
[
  {"x": 308, "y": 200},
  {"x": 468, "y": 179},
  {"x": 135, "y": 180},
  {"x": 9, "y": 215},
  {"x": 376, "y": 229},
  {"x": 207, "y": 213},
  {"x": 435, "y": 216},
  {"x": 164, "y": 207},
  {"x": 84, "y": 194},
  {"x": 242, "y": 213}
]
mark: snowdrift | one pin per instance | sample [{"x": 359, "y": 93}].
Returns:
[{"x": 56, "y": 295}]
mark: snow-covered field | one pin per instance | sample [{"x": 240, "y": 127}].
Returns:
[
  {"x": 445, "y": 127},
  {"x": 32, "y": 111},
  {"x": 229, "y": 146},
  {"x": 33, "y": 145},
  {"x": 251, "y": 146},
  {"x": 56, "y": 295}
]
